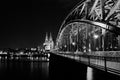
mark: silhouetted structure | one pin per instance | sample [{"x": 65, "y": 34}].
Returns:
[{"x": 91, "y": 34}]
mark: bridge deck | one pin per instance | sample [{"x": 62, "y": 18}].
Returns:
[{"x": 105, "y": 63}]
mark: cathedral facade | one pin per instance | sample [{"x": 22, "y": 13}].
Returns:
[{"x": 48, "y": 44}]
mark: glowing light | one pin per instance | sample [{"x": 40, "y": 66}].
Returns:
[
  {"x": 65, "y": 46},
  {"x": 95, "y": 36},
  {"x": 84, "y": 51},
  {"x": 21, "y": 52},
  {"x": 31, "y": 58},
  {"x": 47, "y": 47},
  {"x": 84, "y": 47},
  {"x": 97, "y": 48},
  {"x": 48, "y": 55},
  {"x": 47, "y": 59},
  {"x": 115, "y": 47},
  {"x": 89, "y": 50},
  {"x": 89, "y": 73},
  {"x": 33, "y": 49},
  {"x": 6, "y": 57},
  {"x": 73, "y": 43},
  {"x": 1, "y": 52}
]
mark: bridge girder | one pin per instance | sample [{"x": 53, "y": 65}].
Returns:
[
  {"x": 105, "y": 11},
  {"x": 102, "y": 13},
  {"x": 84, "y": 34}
]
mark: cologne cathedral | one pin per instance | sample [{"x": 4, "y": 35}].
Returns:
[{"x": 48, "y": 44}]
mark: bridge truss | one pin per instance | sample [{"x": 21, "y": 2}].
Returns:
[{"x": 93, "y": 25}]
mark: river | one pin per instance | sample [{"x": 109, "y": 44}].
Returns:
[{"x": 53, "y": 70}]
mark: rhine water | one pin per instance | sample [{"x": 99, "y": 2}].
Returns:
[{"x": 55, "y": 69}]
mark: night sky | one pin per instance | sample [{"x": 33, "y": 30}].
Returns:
[{"x": 25, "y": 23}]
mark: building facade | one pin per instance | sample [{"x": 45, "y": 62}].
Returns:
[{"x": 49, "y": 43}]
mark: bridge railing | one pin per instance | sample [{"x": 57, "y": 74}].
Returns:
[
  {"x": 105, "y": 60},
  {"x": 94, "y": 53}
]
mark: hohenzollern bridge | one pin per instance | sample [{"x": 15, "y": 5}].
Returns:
[{"x": 91, "y": 34}]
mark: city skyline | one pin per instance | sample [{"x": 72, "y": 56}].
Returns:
[{"x": 60, "y": 39}]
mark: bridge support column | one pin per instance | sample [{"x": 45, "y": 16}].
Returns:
[
  {"x": 105, "y": 64},
  {"x": 88, "y": 60},
  {"x": 119, "y": 42}
]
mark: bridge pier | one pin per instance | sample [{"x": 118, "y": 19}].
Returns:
[
  {"x": 65, "y": 68},
  {"x": 105, "y": 65}
]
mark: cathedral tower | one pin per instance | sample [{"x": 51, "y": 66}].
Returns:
[{"x": 48, "y": 44}]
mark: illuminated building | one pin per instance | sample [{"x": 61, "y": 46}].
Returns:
[{"x": 48, "y": 44}]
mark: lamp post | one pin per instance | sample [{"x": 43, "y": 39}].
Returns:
[
  {"x": 73, "y": 43},
  {"x": 95, "y": 36},
  {"x": 65, "y": 47}
]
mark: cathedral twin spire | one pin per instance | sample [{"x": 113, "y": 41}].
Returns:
[
  {"x": 48, "y": 39},
  {"x": 49, "y": 44}
]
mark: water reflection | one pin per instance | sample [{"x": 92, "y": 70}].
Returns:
[
  {"x": 96, "y": 74},
  {"x": 89, "y": 73},
  {"x": 42, "y": 67},
  {"x": 25, "y": 58},
  {"x": 20, "y": 70},
  {"x": 53, "y": 70}
]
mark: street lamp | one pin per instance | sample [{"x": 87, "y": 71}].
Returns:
[
  {"x": 89, "y": 50},
  {"x": 84, "y": 48},
  {"x": 65, "y": 46},
  {"x": 95, "y": 36},
  {"x": 73, "y": 43}
]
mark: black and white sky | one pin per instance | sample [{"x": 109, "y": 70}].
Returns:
[{"x": 25, "y": 23}]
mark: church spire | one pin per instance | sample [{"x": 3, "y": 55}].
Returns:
[
  {"x": 50, "y": 39},
  {"x": 48, "y": 44},
  {"x": 46, "y": 38}
]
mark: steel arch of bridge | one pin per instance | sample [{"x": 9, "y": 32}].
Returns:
[{"x": 101, "y": 13}]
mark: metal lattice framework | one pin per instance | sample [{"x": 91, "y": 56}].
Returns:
[{"x": 91, "y": 16}]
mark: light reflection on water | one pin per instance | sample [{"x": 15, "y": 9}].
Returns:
[
  {"x": 38, "y": 70},
  {"x": 96, "y": 74},
  {"x": 25, "y": 58},
  {"x": 89, "y": 73},
  {"x": 43, "y": 67},
  {"x": 30, "y": 70}
]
